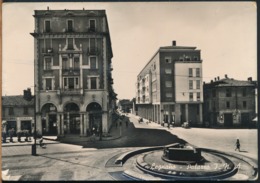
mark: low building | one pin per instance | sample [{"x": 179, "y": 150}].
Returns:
[
  {"x": 125, "y": 105},
  {"x": 229, "y": 102},
  {"x": 18, "y": 112}
]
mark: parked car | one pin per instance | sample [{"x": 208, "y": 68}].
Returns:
[{"x": 185, "y": 125}]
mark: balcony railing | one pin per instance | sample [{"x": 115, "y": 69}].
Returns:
[
  {"x": 71, "y": 71},
  {"x": 74, "y": 91}
]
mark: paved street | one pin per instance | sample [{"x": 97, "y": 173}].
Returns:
[{"x": 86, "y": 160}]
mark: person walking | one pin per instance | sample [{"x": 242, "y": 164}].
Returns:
[{"x": 237, "y": 145}]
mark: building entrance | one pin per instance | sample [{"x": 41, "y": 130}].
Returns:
[
  {"x": 71, "y": 119},
  {"x": 49, "y": 119},
  {"x": 95, "y": 118},
  {"x": 228, "y": 120}
]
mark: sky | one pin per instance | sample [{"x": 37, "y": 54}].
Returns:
[{"x": 225, "y": 32}]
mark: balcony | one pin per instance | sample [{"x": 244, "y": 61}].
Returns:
[
  {"x": 71, "y": 71},
  {"x": 93, "y": 51},
  {"x": 75, "y": 91}
]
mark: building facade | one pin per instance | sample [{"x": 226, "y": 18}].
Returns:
[
  {"x": 73, "y": 72},
  {"x": 125, "y": 105},
  {"x": 18, "y": 112},
  {"x": 169, "y": 87},
  {"x": 229, "y": 102}
]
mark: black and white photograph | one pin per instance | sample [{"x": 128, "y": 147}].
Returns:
[{"x": 129, "y": 91}]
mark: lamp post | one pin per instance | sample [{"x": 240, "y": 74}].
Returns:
[{"x": 34, "y": 133}]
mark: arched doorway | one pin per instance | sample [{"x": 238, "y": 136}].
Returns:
[
  {"x": 49, "y": 119},
  {"x": 95, "y": 118},
  {"x": 71, "y": 119}
]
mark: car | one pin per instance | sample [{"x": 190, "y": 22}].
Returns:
[{"x": 185, "y": 125}]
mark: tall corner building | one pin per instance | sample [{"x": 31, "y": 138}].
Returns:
[
  {"x": 72, "y": 72},
  {"x": 169, "y": 88}
]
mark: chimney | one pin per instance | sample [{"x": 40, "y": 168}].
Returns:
[
  {"x": 48, "y": 8},
  {"x": 27, "y": 95},
  {"x": 204, "y": 82},
  {"x": 211, "y": 81},
  {"x": 173, "y": 43},
  {"x": 249, "y": 79},
  {"x": 215, "y": 79},
  {"x": 218, "y": 78},
  {"x": 226, "y": 76}
]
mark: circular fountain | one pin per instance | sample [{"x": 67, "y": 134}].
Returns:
[{"x": 185, "y": 162}]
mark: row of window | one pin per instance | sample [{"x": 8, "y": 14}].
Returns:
[
  {"x": 191, "y": 84},
  {"x": 228, "y": 92},
  {"x": 70, "y": 64},
  {"x": 11, "y": 111},
  {"x": 72, "y": 83},
  {"x": 228, "y": 106},
  {"x": 168, "y": 60},
  {"x": 70, "y": 42},
  {"x": 70, "y": 25}
]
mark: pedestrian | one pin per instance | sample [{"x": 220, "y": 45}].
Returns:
[
  {"x": 41, "y": 143},
  {"x": 120, "y": 123},
  {"x": 237, "y": 145}
]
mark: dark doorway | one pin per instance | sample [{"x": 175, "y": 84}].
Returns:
[
  {"x": 228, "y": 120},
  {"x": 95, "y": 118},
  {"x": 71, "y": 119},
  {"x": 52, "y": 124},
  {"x": 10, "y": 125},
  {"x": 26, "y": 125},
  {"x": 245, "y": 119}
]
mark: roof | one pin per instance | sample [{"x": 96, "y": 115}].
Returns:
[
  {"x": 231, "y": 82},
  {"x": 179, "y": 47},
  {"x": 17, "y": 100},
  {"x": 68, "y": 12}
]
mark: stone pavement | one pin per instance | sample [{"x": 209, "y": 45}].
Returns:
[{"x": 218, "y": 139}]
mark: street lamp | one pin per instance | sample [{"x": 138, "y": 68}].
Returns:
[{"x": 34, "y": 133}]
